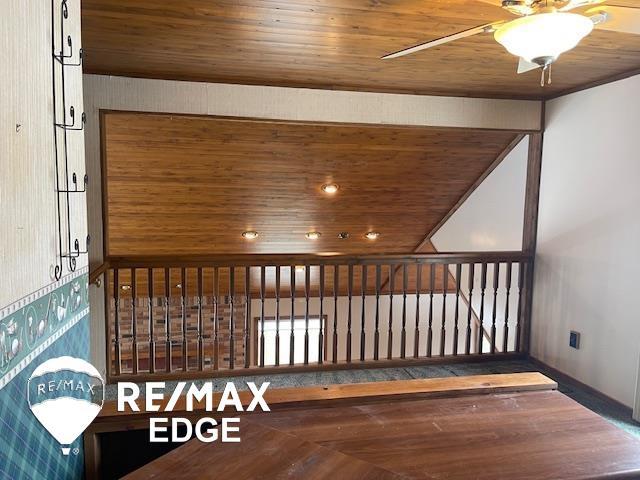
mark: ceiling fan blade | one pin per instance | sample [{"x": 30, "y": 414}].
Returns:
[
  {"x": 440, "y": 41},
  {"x": 579, "y": 3},
  {"x": 524, "y": 66},
  {"x": 616, "y": 19}
]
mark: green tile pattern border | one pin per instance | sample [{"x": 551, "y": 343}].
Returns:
[{"x": 30, "y": 325}]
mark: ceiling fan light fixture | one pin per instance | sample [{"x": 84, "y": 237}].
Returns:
[{"x": 541, "y": 38}]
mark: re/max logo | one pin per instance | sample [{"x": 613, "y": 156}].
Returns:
[
  {"x": 205, "y": 428},
  {"x": 65, "y": 386}
]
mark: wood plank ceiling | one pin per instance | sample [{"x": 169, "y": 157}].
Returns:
[
  {"x": 181, "y": 185},
  {"x": 332, "y": 44}
]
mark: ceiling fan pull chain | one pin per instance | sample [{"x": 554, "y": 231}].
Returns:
[
  {"x": 549, "y": 76},
  {"x": 542, "y": 78}
]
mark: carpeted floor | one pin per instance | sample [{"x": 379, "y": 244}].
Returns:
[{"x": 609, "y": 410}]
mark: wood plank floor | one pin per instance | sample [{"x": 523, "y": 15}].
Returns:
[{"x": 523, "y": 435}]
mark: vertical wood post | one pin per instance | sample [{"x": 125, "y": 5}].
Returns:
[
  {"x": 247, "y": 317},
  {"x": 530, "y": 232}
]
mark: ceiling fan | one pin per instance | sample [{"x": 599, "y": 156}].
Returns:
[{"x": 545, "y": 29}]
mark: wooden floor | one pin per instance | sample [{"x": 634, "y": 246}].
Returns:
[{"x": 537, "y": 433}]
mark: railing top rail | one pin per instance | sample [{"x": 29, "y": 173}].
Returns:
[{"x": 256, "y": 260}]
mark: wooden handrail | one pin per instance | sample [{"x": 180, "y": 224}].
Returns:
[
  {"x": 311, "y": 259},
  {"x": 95, "y": 274}
]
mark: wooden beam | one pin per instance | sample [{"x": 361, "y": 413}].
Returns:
[{"x": 530, "y": 230}]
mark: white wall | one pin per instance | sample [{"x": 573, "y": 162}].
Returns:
[
  {"x": 27, "y": 172},
  {"x": 492, "y": 217},
  {"x": 588, "y": 255}
]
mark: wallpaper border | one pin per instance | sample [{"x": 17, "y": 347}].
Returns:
[{"x": 23, "y": 337}]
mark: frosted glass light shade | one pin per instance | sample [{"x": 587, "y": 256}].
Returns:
[{"x": 541, "y": 38}]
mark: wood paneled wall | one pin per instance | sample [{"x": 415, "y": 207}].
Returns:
[{"x": 181, "y": 185}]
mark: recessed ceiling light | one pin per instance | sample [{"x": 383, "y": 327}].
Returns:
[
  {"x": 330, "y": 188},
  {"x": 250, "y": 234},
  {"x": 125, "y": 287},
  {"x": 313, "y": 235},
  {"x": 178, "y": 285},
  {"x": 343, "y": 235},
  {"x": 372, "y": 235},
  {"x": 300, "y": 268}
]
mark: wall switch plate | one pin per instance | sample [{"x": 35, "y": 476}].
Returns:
[{"x": 574, "y": 340}]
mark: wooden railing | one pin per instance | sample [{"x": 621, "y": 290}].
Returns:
[{"x": 235, "y": 315}]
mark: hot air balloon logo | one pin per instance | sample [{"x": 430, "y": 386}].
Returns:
[{"x": 65, "y": 394}]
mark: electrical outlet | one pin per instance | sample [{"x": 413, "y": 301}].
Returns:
[{"x": 574, "y": 340}]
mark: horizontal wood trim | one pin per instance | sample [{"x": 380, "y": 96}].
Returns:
[
  {"x": 423, "y": 387},
  {"x": 328, "y": 123}
]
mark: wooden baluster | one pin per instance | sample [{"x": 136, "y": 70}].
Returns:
[
  {"x": 416, "y": 335},
  {"x": 432, "y": 282},
  {"x": 505, "y": 339},
  {"x": 307, "y": 274},
  {"x": 167, "y": 321},
  {"x": 494, "y": 313},
  {"x": 152, "y": 335},
  {"x": 521, "y": 276},
  {"x": 472, "y": 270},
  {"x": 349, "y": 294},
  {"x": 262, "y": 294},
  {"x": 445, "y": 284},
  {"x": 200, "y": 323},
  {"x": 376, "y": 334},
  {"x": 216, "y": 318},
  {"x": 232, "y": 325},
  {"x": 363, "y": 288},
  {"x": 134, "y": 324},
  {"x": 116, "y": 323},
  {"x": 336, "y": 291},
  {"x": 277, "y": 352},
  {"x": 321, "y": 332},
  {"x": 483, "y": 286},
  {"x": 247, "y": 317},
  {"x": 293, "y": 315},
  {"x": 183, "y": 300},
  {"x": 403, "y": 334},
  {"x": 392, "y": 274},
  {"x": 457, "y": 310}
]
